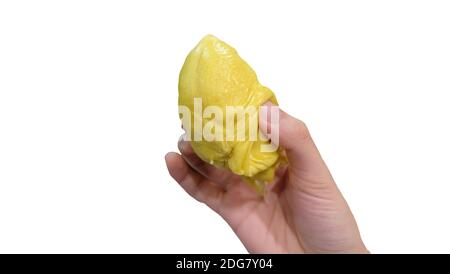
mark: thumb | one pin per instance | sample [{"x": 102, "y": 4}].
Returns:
[{"x": 305, "y": 161}]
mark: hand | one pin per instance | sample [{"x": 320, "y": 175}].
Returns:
[{"x": 302, "y": 212}]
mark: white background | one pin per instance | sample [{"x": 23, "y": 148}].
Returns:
[{"x": 88, "y": 108}]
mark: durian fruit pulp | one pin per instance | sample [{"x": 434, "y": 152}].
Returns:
[{"x": 214, "y": 72}]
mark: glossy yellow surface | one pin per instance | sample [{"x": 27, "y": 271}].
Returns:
[{"x": 214, "y": 72}]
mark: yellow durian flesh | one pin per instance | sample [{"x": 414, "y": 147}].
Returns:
[{"x": 214, "y": 72}]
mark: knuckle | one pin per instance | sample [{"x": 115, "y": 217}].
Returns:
[{"x": 300, "y": 130}]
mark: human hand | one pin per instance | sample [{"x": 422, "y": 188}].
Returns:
[{"x": 302, "y": 212}]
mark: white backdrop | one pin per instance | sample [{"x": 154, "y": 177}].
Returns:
[{"x": 88, "y": 108}]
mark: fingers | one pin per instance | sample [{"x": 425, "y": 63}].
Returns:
[
  {"x": 193, "y": 183},
  {"x": 222, "y": 177}
]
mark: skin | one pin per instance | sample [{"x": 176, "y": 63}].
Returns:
[{"x": 303, "y": 210}]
